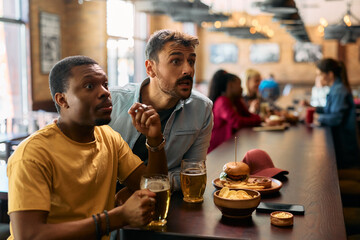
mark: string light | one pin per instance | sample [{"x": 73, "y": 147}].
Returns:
[
  {"x": 217, "y": 24},
  {"x": 322, "y": 26},
  {"x": 270, "y": 33},
  {"x": 242, "y": 21},
  {"x": 323, "y": 22},
  {"x": 347, "y": 20},
  {"x": 252, "y": 30},
  {"x": 255, "y": 22},
  {"x": 321, "y": 30}
]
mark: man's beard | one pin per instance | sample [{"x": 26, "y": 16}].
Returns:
[
  {"x": 100, "y": 122},
  {"x": 173, "y": 92}
]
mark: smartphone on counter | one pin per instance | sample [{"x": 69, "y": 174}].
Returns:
[{"x": 272, "y": 207}]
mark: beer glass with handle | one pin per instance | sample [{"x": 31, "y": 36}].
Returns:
[
  {"x": 193, "y": 180},
  {"x": 159, "y": 184}
]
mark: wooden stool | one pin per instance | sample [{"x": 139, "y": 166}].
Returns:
[
  {"x": 349, "y": 181},
  {"x": 352, "y": 222}
]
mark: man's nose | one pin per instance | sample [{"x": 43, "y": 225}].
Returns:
[
  {"x": 104, "y": 92},
  {"x": 188, "y": 69}
]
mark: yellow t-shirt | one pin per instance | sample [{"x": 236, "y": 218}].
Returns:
[{"x": 71, "y": 180}]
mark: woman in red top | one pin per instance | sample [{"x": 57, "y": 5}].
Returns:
[{"x": 230, "y": 111}]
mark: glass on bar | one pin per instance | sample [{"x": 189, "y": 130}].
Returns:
[
  {"x": 159, "y": 184},
  {"x": 193, "y": 180}
]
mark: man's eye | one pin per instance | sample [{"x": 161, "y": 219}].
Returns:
[
  {"x": 192, "y": 62},
  {"x": 106, "y": 85},
  {"x": 175, "y": 61},
  {"x": 89, "y": 86}
]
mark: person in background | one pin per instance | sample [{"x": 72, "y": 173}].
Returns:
[
  {"x": 62, "y": 178},
  {"x": 186, "y": 115},
  {"x": 251, "y": 79},
  {"x": 269, "y": 89},
  {"x": 339, "y": 112},
  {"x": 230, "y": 111},
  {"x": 318, "y": 94}
]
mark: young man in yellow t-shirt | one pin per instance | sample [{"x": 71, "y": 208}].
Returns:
[{"x": 62, "y": 178}]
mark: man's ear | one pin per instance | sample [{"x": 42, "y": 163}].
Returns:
[
  {"x": 60, "y": 99},
  {"x": 150, "y": 67}
]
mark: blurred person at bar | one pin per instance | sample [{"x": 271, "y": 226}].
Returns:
[
  {"x": 339, "y": 112},
  {"x": 186, "y": 115},
  {"x": 269, "y": 89},
  {"x": 251, "y": 79},
  {"x": 230, "y": 111},
  {"x": 318, "y": 94},
  {"x": 62, "y": 178}
]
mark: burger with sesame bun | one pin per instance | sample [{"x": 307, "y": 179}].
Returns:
[{"x": 235, "y": 171}]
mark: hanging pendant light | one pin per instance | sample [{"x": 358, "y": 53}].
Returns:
[
  {"x": 197, "y": 12},
  {"x": 345, "y": 30},
  {"x": 286, "y": 13},
  {"x": 348, "y": 37},
  {"x": 287, "y": 18},
  {"x": 279, "y": 6}
]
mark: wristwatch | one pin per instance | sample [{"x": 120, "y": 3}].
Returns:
[{"x": 157, "y": 148}]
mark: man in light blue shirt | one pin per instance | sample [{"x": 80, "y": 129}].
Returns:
[{"x": 186, "y": 115}]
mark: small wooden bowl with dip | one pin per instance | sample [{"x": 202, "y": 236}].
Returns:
[{"x": 282, "y": 219}]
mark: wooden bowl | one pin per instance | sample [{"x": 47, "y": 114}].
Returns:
[
  {"x": 237, "y": 208},
  {"x": 282, "y": 219}
]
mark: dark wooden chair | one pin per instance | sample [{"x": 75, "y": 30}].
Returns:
[
  {"x": 11, "y": 145},
  {"x": 4, "y": 231},
  {"x": 349, "y": 181},
  {"x": 352, "y": 222}
]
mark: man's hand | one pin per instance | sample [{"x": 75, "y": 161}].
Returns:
[
  {"x": 254, "y": 106},
  {"x": 138, "y": 210},
  {"x": 304, "y": 103},
  {"x": 122, "y": 196},
  {"x": 316, "y": 119},
  {"x": 146, "y": 120}
]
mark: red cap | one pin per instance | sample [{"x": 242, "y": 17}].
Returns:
[{"x": 261, "y": 164}]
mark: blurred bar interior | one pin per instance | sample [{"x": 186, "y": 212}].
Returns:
[{"x": 279, "y": 37}]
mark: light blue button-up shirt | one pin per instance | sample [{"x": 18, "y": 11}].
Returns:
[{"x": 187, "y": 131}]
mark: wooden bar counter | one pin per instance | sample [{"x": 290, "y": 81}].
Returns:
[{"x": 307, "y": 153}]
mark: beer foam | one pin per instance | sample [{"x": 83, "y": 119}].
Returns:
[
  {"x": 158, "y": 186},
  {"x": 193, "y": 171}
]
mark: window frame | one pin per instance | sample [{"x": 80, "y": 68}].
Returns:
[
  {"x": 21, "y": 19},
  {"x": 139, "y": 39}
]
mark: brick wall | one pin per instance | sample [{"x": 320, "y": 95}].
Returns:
[
  {"x": 40, "y": 85},
  {"x": 86, "y": 30},
  {"x": 83, "y": 32},
  {"x": 285, "y": 71},
  {"x": 83, "y": 29}
]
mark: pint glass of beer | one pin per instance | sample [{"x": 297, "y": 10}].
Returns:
[
  {"x": 160, "y": 185},
  {"x": 193, "y": 180}
]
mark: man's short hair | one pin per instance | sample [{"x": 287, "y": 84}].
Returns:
[
  {"x": 61, "y": 71},
  {"x": 160, "y": 38}
]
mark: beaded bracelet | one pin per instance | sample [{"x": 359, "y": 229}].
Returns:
[
  {"x": 96, "y": 228},
  {"x": 100, "y": 225},
  {"x": 107, "y": 231}
]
